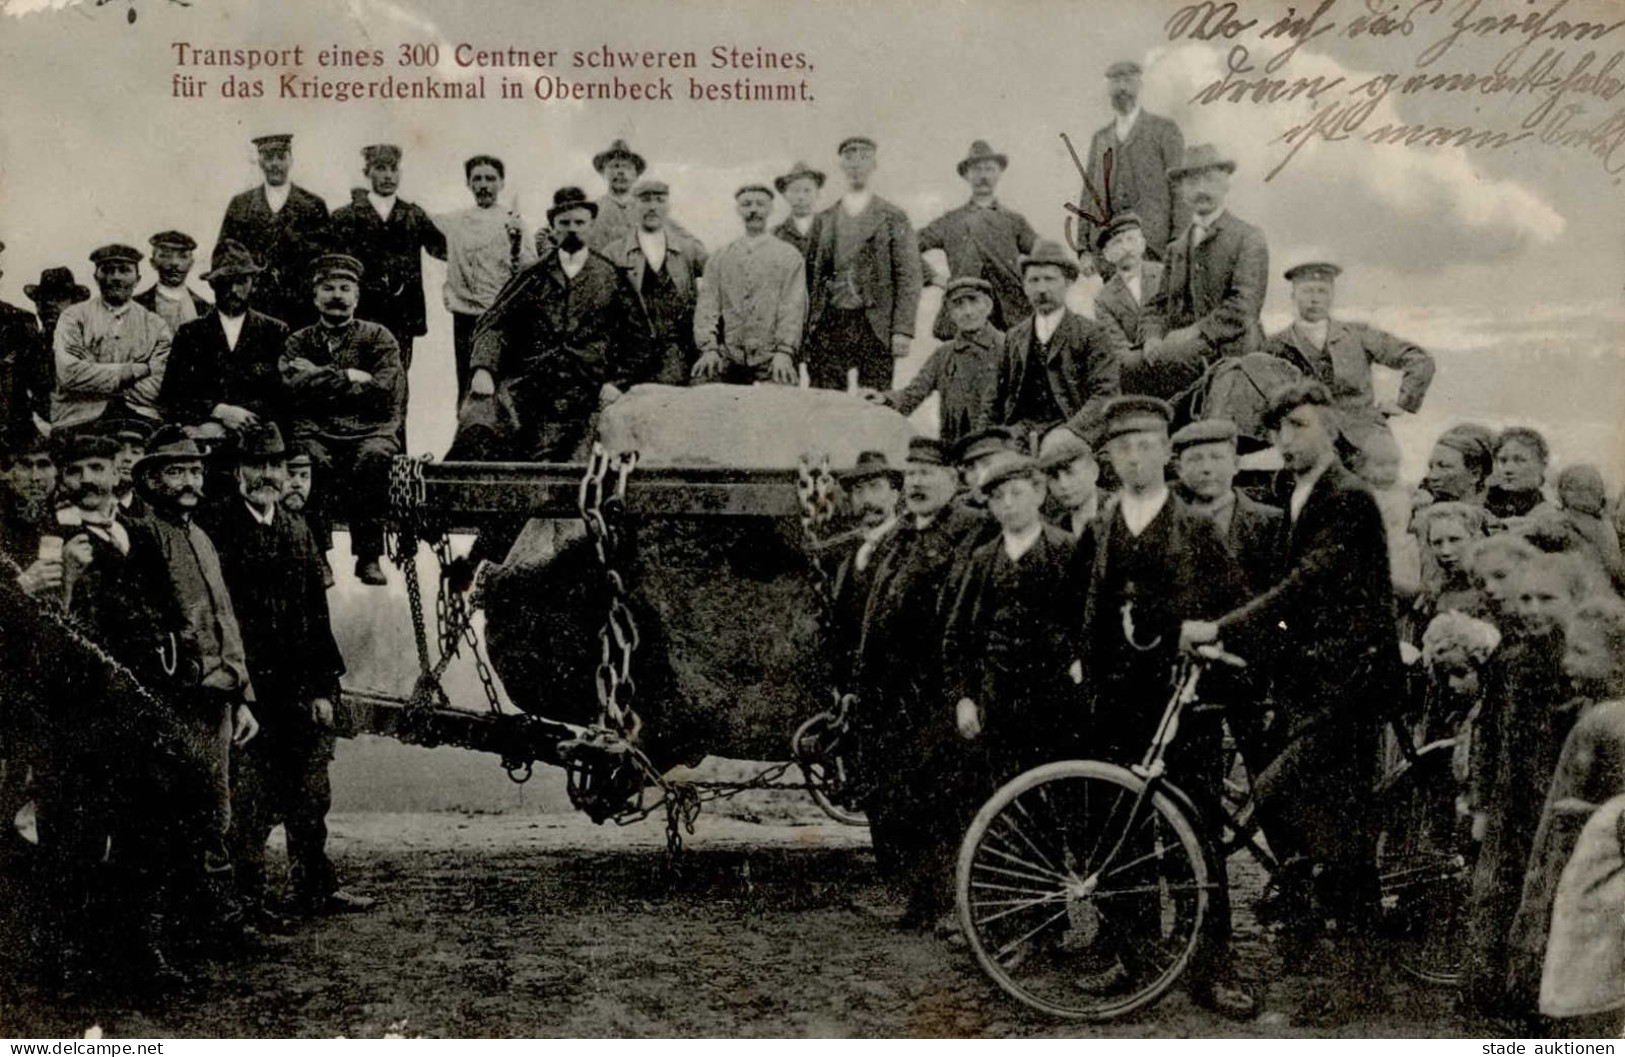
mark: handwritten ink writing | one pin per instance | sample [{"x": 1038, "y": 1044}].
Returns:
[
  {"x": 1299, "y": 29},
  {"x": 1602, "y": 84},
  {"x": 1533, "y": 26},
  {"x": 1332, "y": 122},
  {"x": 1262, "y": 89},
  {"x": 1077, "y": 235},
  {"x": 1604, "y": 140},
  {"x": 1382, "y": 23},
  {"x": 1206, "y": 21}
]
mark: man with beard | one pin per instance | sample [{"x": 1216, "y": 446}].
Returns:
[
  {"x": 485, "y": 248},
  {"x": 284, "y": 226},
  {"x": 346, "y": 394},
  {"x": 222, "y": 377},
  {"x": 1325, "y": 630},
  {"x": 872, "y": 486},
  {"x": 1141, "y": 150},
  {"x": 982, "y": 239},
  {"x": 1120, "y": 305},
  {"x": 753, "y": 303},
  {"x": 213, "y": 708},
  {"x": 1217, "y": 275},
  {"x": 26, "y": 375},
  {"x": 1205, "y": 458},
  {"x": 664, "y": 265},
  {"x": 921, "y": 796},
  {"x": 800, "y": 187},
  {"x": 110, "y": 352},
  {"x": 274, "y": 572},
  {"x": 863, "y": 279},
  {"x": 1057, "y": 364},
  {"x": 170, "y": 297}
]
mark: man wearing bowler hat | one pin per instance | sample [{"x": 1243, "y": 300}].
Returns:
[
  {"x": 1144, "y": 149},
  {"x": 1056, "y": 363},
  {"x": 110, "y": 353},
  {"x": 617, "y": 212},
  {"x": 964, "y": 372},
  {"x": 873, "y": 486},
  {"x": 26, "y": 373},
  {"x": 273, "y": 569},
  {"x": 800, "y": 187},
  {"x": 222, "y": 376},
  {"x": 1218, "y": 272},
  {"x": 284, "y": 226},
  {"x": 346, "y": 395},
  {"x": 863, "y": 280},
  {"x": 55, "y": 291},
  {"x": 1120, "y": 305},
  {"x": 982, "y": 239},
  {"x": 753, "y": 303},
  {"x": 170, "y": 297}
]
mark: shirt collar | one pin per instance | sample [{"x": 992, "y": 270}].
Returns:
[
  {"x": 574, "y": 262},
  {"x": 1306, "y": 484},
  {"x": 803, "y": 224},
  {"x": 1017, "y": 546},
  {"x": 265, "y": 518},
  {"x": 276, "y": 196},
  {"x": 172, "y": 293},
  {"x": 120, "y": 311},
  {"x": 1125, "y": 122},
  {"x": 381, "y": 204},
  {"x": 1208, "y": 220},
  {"x": 855, "y": 202},
  {"x": 1140, "y": 511}
]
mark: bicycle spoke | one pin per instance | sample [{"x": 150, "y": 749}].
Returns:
[
  {"x": 1005, "y": 871},
  {"x": 1016, "y": 860},
  {"x": 1029, "y": 934},
  {"x": 1165, "y": 886},
  {"x": 1106, "y": 831},
  {"x": 1009, "y": 888},
  {"x": 1008, "y": 821},
  {"x": 1026, "y": 905}
]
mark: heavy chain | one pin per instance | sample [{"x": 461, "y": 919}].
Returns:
[
  {"x": 605, "y": 520},
  {"x": 817, "y": 490}
]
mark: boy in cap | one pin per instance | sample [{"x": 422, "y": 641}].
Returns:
[
  {"x": 346, "y": 394},
  {"x": 1206, "y": 460},
  {"x": 800, "y": 187},
  {"x": 664, "y": 265},
  {"x": 110, "y": 352},
  {"x": 170, "y": 297},
  {"x": 981, "y": 239},
  {"x": 753, "y": 303},
  {"x": 1120, "y": 305},
  {"x": 964, "y": 371},
  {"x": 284, "y": 226},
  {"x": 1069, "y": 463},
  {"x": 131, "y": 435},
  {"x": 1144, "y": 148}
]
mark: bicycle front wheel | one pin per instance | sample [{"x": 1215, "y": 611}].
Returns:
[{"x": 1081, "y": 892}]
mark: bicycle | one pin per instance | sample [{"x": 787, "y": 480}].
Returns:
[{"x": 1084, "y": 887}]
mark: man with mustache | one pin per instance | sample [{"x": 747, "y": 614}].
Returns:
[
  {"x": 213, "y": 709},
  {"x": 273, "y": 569},
  {"x": 981, "y": 239},
  {"x": 110, "y": 352},
  {"x": 1120, "y": 305},
  {"x": 753, "y": 303},
  {"x": 872, "y": 485},
  {"x": 618, "y": 212},
  {"x": 346, "y": 394},
  {"x": 1144, "y": 148},
  {"x": 284, "y": 226},
  {"x": 485, "y": 247},
  {"x": 170, "y": 297},
  {"x": 664, "y": 265}
]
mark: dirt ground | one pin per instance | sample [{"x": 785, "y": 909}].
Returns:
[{"x": 540, "y": 923}]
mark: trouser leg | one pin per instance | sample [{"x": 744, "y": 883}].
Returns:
[
  {"x": 462, "y": 349},
  {"x": 308, "y": 796}
]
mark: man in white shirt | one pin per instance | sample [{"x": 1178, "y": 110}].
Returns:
[
  {"x": 170, "y": 297},
  {"x": 485, "y": 247},
  {"x": 753, "y": 303}
]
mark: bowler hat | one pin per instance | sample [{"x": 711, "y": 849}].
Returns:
[
  {"x": 387, "y": 153},
  {"x": 169, "y": 443},
  {"x": 1200, "y": 158},
  {"x": 230, "y": 260},
  {"x": 800, "y": 170},
  {"x": 618, "y": 149},
  {"x": 870, "y": 464},
  {"x": 1313, "y": 270},
  {"x": 116, "y": 251},
  {"x": 274, "y": 141},
  {"x": 1204, "y": 431},
  {"x": 1127, "y": 220},
  {"x": 1051, "y": 253},
  {"x": 1135, "y": 414},
  {"x": 927, "y": 451},
  {"x": 56, "y": 283},
  {"x": 335, "y": 264},
  {"x": 967, "y": 284},
  {"x": 261, "y": 443},
  {"x": 980, "y": 151},
  {"x": 568, "y": 198}
]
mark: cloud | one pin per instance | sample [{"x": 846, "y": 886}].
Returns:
[{"x": 1412, "y": 210}]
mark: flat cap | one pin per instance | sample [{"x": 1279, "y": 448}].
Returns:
[
  {"x": 1061, "y": 447},
  {"x": 1127, "y": 220},
  {"x": 128, "y": 430},
  {"x": 1135, "y": 414},
  {"x": 1321, "y": 270},
  {"x": 985, "y": 442},
  {"x": 650, "y": 187},
  {"x": 799, "y": 171},
  {"x": 856, "y": 141},
  {"x": 967, "y": 284},
  {"x": 73, "y": 445},
  {"x": 1051, "y": 253},
  {"x": 175, "y": 240},
  {"x": 1007, "y": 466},
  {"x": 274, "y": 141},
  {"x": 761, "y": 188},
  {"x": 387, "y": 153},
  {"x": 1205, "y": 431},
  {"x": 335, "y": 264},
  {"x": 927, "y": 451},
  {"x": 1123, "y": 68},
  {"x": 116, "y": 252}
]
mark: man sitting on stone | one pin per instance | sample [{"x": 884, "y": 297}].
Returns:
[{"x": 964, "y": 371}]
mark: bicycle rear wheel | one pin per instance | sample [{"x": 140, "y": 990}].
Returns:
[
  {"x": 1081, "y": 894},
  {"x": 1424, "y": 860}
]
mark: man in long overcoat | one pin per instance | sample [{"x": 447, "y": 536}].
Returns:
[
  {"x": 982, "y": 239},
  {"x": 284, "y": 226},
  {"x": 1143, "y": 148}
]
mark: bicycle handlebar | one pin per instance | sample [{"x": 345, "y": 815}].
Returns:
[{"x": 1214, "y": 653}]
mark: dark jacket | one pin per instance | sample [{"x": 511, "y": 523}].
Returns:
[
  {"x": 886, "y": 266},
  {"x": 284, "y": 243},
  {"x": 786, "y": 230},
  {"x": 391, "y": 255},
  {"x": 1080, "y": 365},
  {"x": 1139, "y": 178},
  {"x": 324, "y": 403},
  {"x": 982, "y": 243},
  {"x": 1344, "y": 365},
  {"x": 203, "y": 371},
  {"x": 27, "y": 368},
  {"x": 1219, "y": 288},
  {"x": 965, "y": 372},
  {"x": 1255, "y": 540},
  {"x": 148, "y": 299}
]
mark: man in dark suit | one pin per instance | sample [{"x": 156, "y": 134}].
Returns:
[
  {"x": 1143, "y": 148},
  {"x": 56, "y": 291},
  {"x": 284, "y": 226},
  {"x": 982, "y": 239},
  {"x": 1205, "y": 458},
  {"x": 27, "y": 374},
  {"x": 1217, "y": 274},
  {"x": 170, "y": 297},
  {"x": 872, "y": 486},
  {"x": 800, "y": 187},
  {"x": 1153, "y": 562},
  {"x": 1056, "y": 363},
  {"x": 1120, "y": 305},
  {"x": 1326, "y": 629},
  {"x": 863, "y": 277},
  {"x": 389, "y": 236}
]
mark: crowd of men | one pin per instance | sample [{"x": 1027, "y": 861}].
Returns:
[{"x": 174, "y": 467}]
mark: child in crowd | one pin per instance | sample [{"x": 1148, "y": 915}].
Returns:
[{"x": 1583, "y": 503}]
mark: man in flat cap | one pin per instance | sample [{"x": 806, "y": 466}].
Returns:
[
  {"x": 132, "y": 435},
  {"x": 170, "y": 297},
  {"x": 665, "y": 265},
  {"x": 346, "y": 397},
  {"x": 973, "y": 452},
  {"x": 1206, "y": 461},
  {"x": 284, "y": 226},
  {"x": 920, "y": 772},
  {"x": 27, "y": 375},
  {"x": 1144, "y": 148},
  {"x": 1056, "y": 363},
  {"x": 485, "y": 248},
  {"x": 619, "y": 213},
  {"x": 389, "y": 236},
  {"x": 753, "y": 304},
  {"x": 1069, "y": 462},
  {"x": 1153, "y": 563},
  {"x": 1340, "y": 354},
  {"x": 981, "y": 239},
  {"x": 800, "y": 187},
  {"x": 964, "y": 372},
  {"x": 863, "y": 276},
  {"x": 110, "y": 352},
  {"x": 1120, "y": 305},
  {"x": 1217, "y": 274}
]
